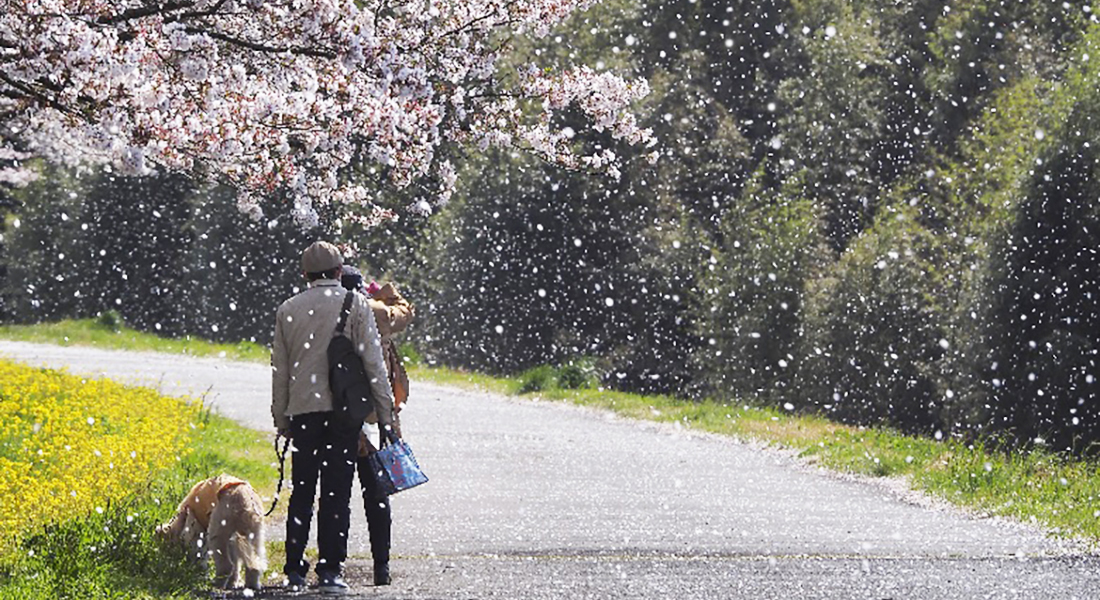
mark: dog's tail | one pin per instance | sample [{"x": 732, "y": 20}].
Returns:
[
  {"x": 250, "y": 546},
  {"x": 252, "y": 552}
]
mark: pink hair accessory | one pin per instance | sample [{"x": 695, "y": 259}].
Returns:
[{"x": 373, "y": 288}]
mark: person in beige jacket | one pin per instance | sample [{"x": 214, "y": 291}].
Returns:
[
  {"x": 392, "y": 313},
  {"x": 302, "y": 408}
]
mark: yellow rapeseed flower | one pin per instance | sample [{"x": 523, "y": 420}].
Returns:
[{"x": 69, "y": 444}]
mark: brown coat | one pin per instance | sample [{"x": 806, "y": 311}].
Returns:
[{"x": 392, "y": 313}]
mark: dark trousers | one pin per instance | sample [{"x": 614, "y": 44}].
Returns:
[
  {"x": 326, "y": 449},
  {"x": 379, "y": 516}
]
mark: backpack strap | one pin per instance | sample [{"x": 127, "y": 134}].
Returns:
[{"x": 345, "y": 312}]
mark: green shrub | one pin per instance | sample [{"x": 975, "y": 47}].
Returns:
[
  {"x": 536, "y": 379},
  {"x": 1025, "y": 368},
  {"x": 578, "y": 374},
  {"x": 409, "y": 355},
  {"x": 1035, "y": 361},
  {"x": 876, "y": 330},
  {"x": 752, "y": 294},
  {"x": 110, "y": 319}
]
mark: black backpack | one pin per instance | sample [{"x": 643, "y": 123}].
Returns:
[{"x": 351, "y": 391}]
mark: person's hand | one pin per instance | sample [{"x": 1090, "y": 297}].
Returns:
[
  {"x": 282, "y": 432},
  {"x": 395, "y": 427}
]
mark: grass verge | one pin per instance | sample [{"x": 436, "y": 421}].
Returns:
[
  {"x": 1058, "y": 492},
  {"x": 108, "y": 334}
]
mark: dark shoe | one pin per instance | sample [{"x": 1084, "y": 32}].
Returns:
[
  {"x": 333, "y": 585},
  {"x": 382, "y": 574},
  {"x": 296, "y": 581}
]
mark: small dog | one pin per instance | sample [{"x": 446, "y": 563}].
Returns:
[{"x": 228, "y": 514}]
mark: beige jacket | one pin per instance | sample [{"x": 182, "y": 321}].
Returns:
[
  {"x": 304, "y": 324},
  {"x": 393, "y": 313}
]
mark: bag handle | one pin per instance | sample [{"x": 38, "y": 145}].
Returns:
[
  {"x": 344, "y": 312},
  {"x": 386, "y": 435}
]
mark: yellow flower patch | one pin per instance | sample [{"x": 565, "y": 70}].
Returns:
[{"x": 70, "y": 445}]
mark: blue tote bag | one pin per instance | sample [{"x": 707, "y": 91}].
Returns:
[{"x": 395, "y": 467}]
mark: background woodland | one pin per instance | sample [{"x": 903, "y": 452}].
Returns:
[{"x": 887, "y": 212}]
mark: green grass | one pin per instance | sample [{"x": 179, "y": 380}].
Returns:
[
  {"x": 1061, "y": 493},
  {"x": 92, "y": 332},
  {"x": 466, "y": 379},
  {"x": 114, "y": 554}
]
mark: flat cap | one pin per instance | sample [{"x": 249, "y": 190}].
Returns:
[{"x": 321, "y": 256}]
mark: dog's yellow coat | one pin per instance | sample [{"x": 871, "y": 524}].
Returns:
[{"x": 228, "y": 513}]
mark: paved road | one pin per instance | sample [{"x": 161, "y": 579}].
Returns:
[{"x": 536, "y": 500}]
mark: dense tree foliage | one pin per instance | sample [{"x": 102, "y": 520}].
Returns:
[
  {"x": 886, "y": 212},
  {"x": 172, "y": 258}
]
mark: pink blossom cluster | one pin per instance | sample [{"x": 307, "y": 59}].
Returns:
[
  {"x": 287, "y": 94},
  {"x": 12, "y": 172}
]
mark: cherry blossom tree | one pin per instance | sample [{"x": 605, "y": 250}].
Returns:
[{"x": 287, "y": 94}]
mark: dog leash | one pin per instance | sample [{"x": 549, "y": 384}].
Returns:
[{"x": 282, "y": 461}]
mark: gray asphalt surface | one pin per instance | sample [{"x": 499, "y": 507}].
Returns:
[{"x": 532, "y": 499}]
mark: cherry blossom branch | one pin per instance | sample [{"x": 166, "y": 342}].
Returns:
[
  {"x": 470, "y": 24},
  {"x": 262, "y": 47},
  {"x": 148, "y": 10},
  {"x": 33, "y": 93},
  {"x": 213, "y": 10}
]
